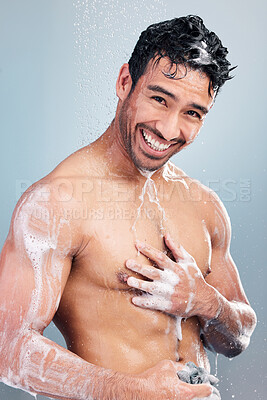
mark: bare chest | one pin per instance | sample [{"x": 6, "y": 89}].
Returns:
[{"x": 120, "y": 215}]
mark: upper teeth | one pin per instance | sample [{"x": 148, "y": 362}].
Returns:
[{"x": 154, "y": 144}]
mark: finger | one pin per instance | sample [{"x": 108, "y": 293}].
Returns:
[
  {"x": 162, "y": 286},
  {"x": 145, "y": 270},
  {"x": 158, "y": 288},
  {"x": 153, "y": 254},
  {"x": 177, "y": 251},
  {"x": 140, "y": 284},
  {"x": 152, "y": 302}
]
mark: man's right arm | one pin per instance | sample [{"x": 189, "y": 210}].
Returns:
[{"x": 34, "y": 267}]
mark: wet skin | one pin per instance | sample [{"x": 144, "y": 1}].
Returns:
[
  {"x": 103, "y": 326},
  {"x": 171, "y": 111},
  {"x": 75, "y": 264},
  {"x": 113, "y": 332}
]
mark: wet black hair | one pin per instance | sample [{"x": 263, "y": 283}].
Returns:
[{"x": 185, "y": 41}]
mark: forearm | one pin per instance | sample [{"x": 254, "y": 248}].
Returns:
[
  {"x": 227, "y": 325},
  {"x": 40, "y": 366}
]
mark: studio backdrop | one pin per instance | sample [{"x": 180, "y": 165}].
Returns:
[{"x": 59, "y": 60}]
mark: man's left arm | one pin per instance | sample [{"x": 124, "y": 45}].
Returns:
[
  {"x": 179, "y": 288},
  {"x": 228, "y": 319}
]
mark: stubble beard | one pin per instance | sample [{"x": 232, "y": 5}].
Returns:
[{"x": 127, "y": 137}]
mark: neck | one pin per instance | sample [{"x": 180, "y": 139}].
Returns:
[{"x": 116, "y": 157}]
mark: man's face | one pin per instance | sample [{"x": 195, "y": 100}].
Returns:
[{"x": 162, "y": 115}]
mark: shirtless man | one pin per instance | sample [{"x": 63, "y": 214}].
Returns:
[{"x": 126, "y": 253}]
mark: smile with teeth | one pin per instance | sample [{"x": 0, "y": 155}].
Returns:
[{"x": 154, "y": 144}]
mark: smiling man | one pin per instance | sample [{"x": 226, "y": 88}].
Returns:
[
  {"x": 126, "y": 253},
  {"x": 161, "y": 116}
]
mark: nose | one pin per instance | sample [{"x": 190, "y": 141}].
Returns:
[{"x": 169, "y": 127}]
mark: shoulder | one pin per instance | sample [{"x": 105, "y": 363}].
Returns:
[
  {"x": 50, "y": 209},
  {"x": 213, "y": 212},
  {"x": 171, "y": 172},
  {"x": 208, "y": 204},
  {"x": 81, "y": 163},
  {"x": 43, "y": 215},
  {"x": 60, "y": 188},
  {"x": 194, "y": 190}
]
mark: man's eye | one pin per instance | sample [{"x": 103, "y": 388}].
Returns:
[
  {"x": 160, "y": 100},
  {"x": 194, "y": 114}
]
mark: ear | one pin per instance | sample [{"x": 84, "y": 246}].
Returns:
[{"x": 124, "y": 82}]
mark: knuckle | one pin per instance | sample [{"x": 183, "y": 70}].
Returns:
[
  {"x": 160, "y": 256},
  {"x": 155, "y": 275}
]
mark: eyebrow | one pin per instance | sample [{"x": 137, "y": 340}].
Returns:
[
  {"x": 199, "y": 107},
  {"x": 160, "y": 89}
]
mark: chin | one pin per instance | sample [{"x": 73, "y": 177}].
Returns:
[
  {"x": 146, "y": 163},
  {"x": 148, "y": 168}
]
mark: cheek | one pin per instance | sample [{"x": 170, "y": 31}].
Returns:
[
  {"x": 191, "y": 132},
  {"x": 145, "y": 112}
]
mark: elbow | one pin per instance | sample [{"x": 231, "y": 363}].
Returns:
[
  {"x": 229, "y": 348},
  {"x": 231, "y": 344},
  {"x": 234, "y": 349},
  {"x": 236, "y": 346}
]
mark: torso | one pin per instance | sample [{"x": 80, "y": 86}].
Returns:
[{"x": 96, "y": 315}]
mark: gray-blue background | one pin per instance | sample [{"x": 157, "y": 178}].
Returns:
[{"x": 58, "y": 66}]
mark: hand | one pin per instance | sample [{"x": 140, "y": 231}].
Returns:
[
  {"x": 162, "y": 383},
  {"x": 177, "y": 288}
]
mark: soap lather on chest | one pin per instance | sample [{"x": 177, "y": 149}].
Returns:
[{"x": 113, "y": 245}]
